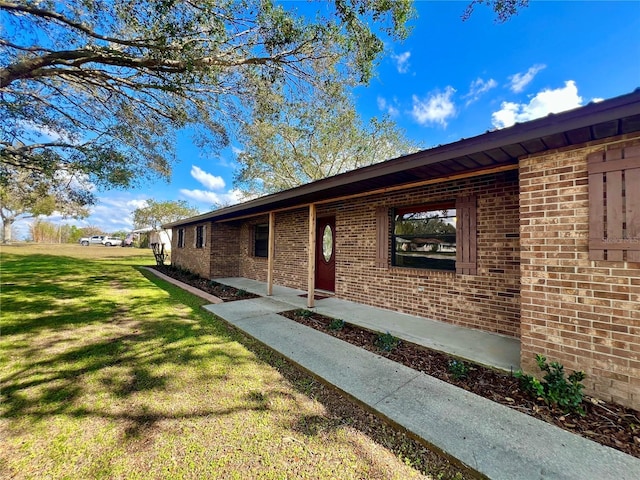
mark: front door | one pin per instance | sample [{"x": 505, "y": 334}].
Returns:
[{"x": 326, "y": 254}]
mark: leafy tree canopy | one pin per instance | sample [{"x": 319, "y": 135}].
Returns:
[
  {"x": 290, "y": 143},
  {"x": 99, "y": 87},
  {"x": 26, "y": 194},
  {"x": 428, "y": 226},
  {"x": 295, "y": 140},
  {"x": 504, "y": 9},
  {"x": 155, "y": 214}
]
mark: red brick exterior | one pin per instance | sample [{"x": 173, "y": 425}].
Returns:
[
  {"x": 534, "y": 278},
  {"x": 290, "y": 259},
  {"x": 225, "y": 251},
  {"x": 487, "y": 301},
  {"x": 189, "y": 257},
  {"x": 582, "y": 313}
]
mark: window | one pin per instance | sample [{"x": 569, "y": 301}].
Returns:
[
  {"x": 327, "y": 243},
  {"x": 425, "y": 237},
  {"x": 261, "y": 241},
  {"x": 200, "y": 236},
  {"x": 181, "y": 238},
  {"x": 439, "y": 236}
]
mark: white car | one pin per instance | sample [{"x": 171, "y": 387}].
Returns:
[
  {"x": 111, "y": 241},
  {"x": 96, "y": 239}
]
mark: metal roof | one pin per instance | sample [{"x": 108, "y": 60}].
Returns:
[{"x": 595, "y": 121}]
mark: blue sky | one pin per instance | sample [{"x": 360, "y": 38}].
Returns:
[{"x": 449, "y": 80}]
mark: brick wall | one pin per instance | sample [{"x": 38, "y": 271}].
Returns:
[
  {"x": 291, "y": 247},
  {"x": 189, "y": 257},
  {"x": 487, "y": 301},
  {"x": 290, "y": 259},
  {"x": 225, "y": 250},
  {"x": 585, "y": 314},
  {"x": 250, "y": 265}
]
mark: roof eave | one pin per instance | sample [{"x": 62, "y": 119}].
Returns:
[{"x": 553, "y": 124}]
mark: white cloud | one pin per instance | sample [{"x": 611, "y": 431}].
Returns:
[
  {"x": 111, "y": 213},
  {"x": 208, "y": 180},
  {"x": 402, "y": 61},
  {"x": 387, "y": 107},
  {"x": 47, "y": 134},
  {"x": 435, "y": 108},
  {"x": 520, "y": 80},
  {"x": 135, "y": 204},
  {"x": 478, "y": 88},
  {"x": 212, "y": 198},
  {"x": 236, "y": 151},
  {"x": 543, "y": 103},
  {"x": 213, "y": 194}
]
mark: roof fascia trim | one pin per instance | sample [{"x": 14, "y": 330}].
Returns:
[{"x": 588, "y": 115}]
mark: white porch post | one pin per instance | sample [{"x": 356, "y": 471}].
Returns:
[
  {"x": 271, "y": 251},
  {"x": 311, "y": 281}
]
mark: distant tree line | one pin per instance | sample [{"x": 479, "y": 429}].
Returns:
[{"x": 43, "y": 231}]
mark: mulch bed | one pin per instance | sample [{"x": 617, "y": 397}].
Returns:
[
  {"x": 604, "y": 422},
  {"x": 223, "y": 292}
]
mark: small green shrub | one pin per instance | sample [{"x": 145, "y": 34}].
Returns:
[
  {"x": 387, "y": 342},
  {"x": 303, "y": 313},
  {"x": 183, "y": 272},
  {"x": 458, "y": 369},
  {"x": 555, "y": 389},
  {"x": 336, "y": 324},
  {"x": 241, "y": 293}
]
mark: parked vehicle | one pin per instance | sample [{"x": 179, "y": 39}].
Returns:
[
  {"x": 112, "y": 241},
  {"x": 128, "y": 240},
  {"x": 95, "y": 240}
]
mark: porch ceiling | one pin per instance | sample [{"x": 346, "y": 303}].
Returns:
[{"x": 617, "y": 116}]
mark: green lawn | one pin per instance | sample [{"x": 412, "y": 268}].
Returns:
[{"x": 108, "y": 372}]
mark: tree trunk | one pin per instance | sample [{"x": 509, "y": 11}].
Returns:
[{"x": 7, "y": 227}]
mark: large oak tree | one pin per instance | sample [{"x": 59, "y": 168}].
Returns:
[
  {"x": 290, "y": 143},
  {"x": 100, "y": 87}
]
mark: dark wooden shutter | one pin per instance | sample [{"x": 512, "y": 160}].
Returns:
[
  {"x": 382, "y": 237},
  {"x": 466, "y": 236},
  {"x": 614, "y": 205}
]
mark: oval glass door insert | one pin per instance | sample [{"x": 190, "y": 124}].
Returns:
[{"x": 327, "y": 243}]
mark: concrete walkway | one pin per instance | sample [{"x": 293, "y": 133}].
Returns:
[
  {"x": 485, "y": 348},
  {"x": 491, "y": 439}
]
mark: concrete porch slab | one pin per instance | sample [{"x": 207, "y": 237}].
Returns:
[
  {"x": 482, "y": 347},
  {"x": 251, "y": 308},
  {"x": 486, "y": 348}
]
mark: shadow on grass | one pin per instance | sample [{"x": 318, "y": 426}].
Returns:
[
  {"x": 124, "y": 356},
  {"x": 62, "y": 345},
  {"x": 42, "y": 287}
]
